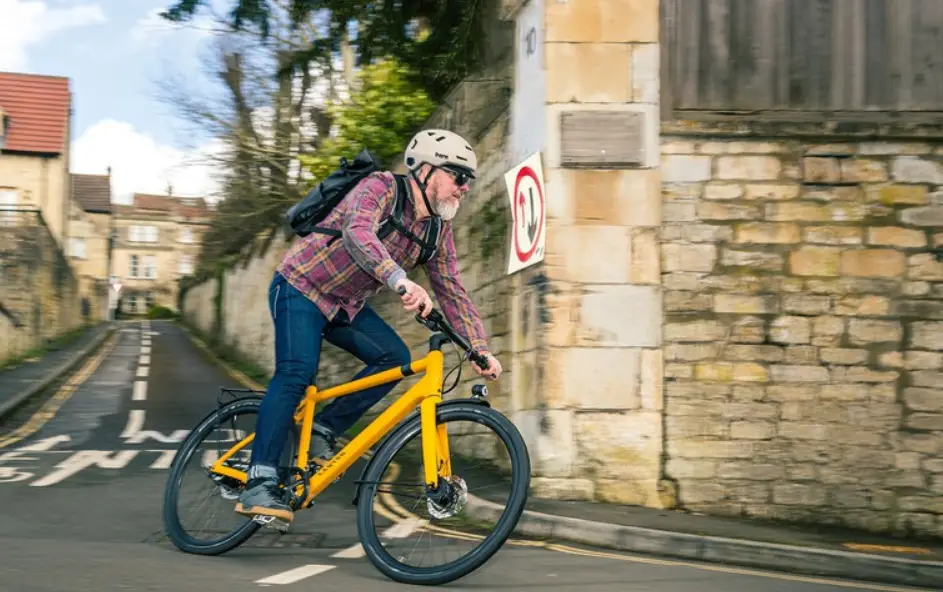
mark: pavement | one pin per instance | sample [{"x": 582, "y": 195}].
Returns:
[
  {"x": 83, "y": 471},
  {"x": 19, "y": 383}
]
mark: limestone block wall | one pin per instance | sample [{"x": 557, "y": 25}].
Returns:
[{"x": 804, "y": 328}]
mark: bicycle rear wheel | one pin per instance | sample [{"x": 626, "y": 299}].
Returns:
[
  {"x": 499, "y": 468},
  {"x": 220, "y": 431}
]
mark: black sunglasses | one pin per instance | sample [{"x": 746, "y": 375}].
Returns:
[{"x": 460, "y": 177}]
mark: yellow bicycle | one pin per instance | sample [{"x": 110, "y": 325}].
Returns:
[{"x": 422, "y": 414}]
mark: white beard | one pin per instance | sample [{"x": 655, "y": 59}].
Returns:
[{"x": 446, "y": 209}]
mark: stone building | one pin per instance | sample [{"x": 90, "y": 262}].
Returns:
[
  {"x": 739, "y": 311},
  {"x": 89, "y": 247},
  {"x": 156, "y": 242},
  {"x": 38, "y": 287}
]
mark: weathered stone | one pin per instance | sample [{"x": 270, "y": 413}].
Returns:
[
  {"x": 676, "y": 146},
  {"x": 707, "y": 233},
  {"x": 772, "y": 192},
  {"x": 766, "y": 233},
  {"x": 896, "y": 236},
  {"x": 694, "y": 331},
  {"x": 723, "y": 191},
  {"x": 821, "y": 170},
  {"x": 815, "y": 261},
  {"x": 924, "y": 399},
  {"x": 926, "y": 378},
  {"x": 620, "y": 446},
  {"x": 743, "y": 304},
  {"x": 806, "y": 305},
  {"x": 646, "y": 73},
  {"x": 845, "y": 392},
  {"x": 796, "y": 211},
  {"x": 891, "y": 360},
  {"x": 919, "y": 309},
  {"x": 921, "y": 360},
  {"x": 679, "y": 212},
  {"x": 873, "y": 263},
  {"x": 687, "y": 301},
  {"x": 831, "y": 193},
  {"x": 861, "y": 374},
  {"x": 925, "y": 267},
  {"x": 925, "y": 216},
  {"x": 593, "y": 254},
  {"x": 844, "y": 356},
  {"x": 863, "y": 306},
  {"x": 690, "y": 469},
  {"x": 787, "y": 373},
  {"x": 799, "y": 494},
  {"x": 703, "y": 448},
  {"x": 833, "y": 235},
  {"x": 681, "y": 257},
  {"x": 563, "y": 489},
  {"x": 763, "y": 353},
  {"x": 646, "y": 268},
  {"x": 912, "y": 169},
  {"x": 891, "y": 195},
  {"x": 863, "y": 170},
  {"x": 894, "y": 148},
  {"x": 749, "y": 168},
  {"x": 691, "y": 352},
  {"x": 685, "y": 168},
  {"x": 620, "y": 315},
  {"x": 865, "y": 331},
  {"x": 802, "y": 354},
  {"x": 588, "y": 72},
  {"x": 802, "y": 431},
  {"x": 597, "y": 21},
  {"x": 748, "y": 330},
  {"x": 753, "y": 259},
  {"x": 927, "y": 335},
  {"x": 915, "y": 288},
  {"x": 725, "y": 211},
  {"x": 790, "y": 330}
]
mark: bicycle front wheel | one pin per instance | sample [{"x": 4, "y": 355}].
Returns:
[{"x": 490, "y": 467}]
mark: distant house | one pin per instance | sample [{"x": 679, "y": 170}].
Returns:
[
  {"x": 35, "y": 123},
  {"x": 157, "y": 241},
  {"x": 88, "y": 247}
]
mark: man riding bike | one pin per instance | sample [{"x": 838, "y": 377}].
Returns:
[{"x": 320, "y": 290}]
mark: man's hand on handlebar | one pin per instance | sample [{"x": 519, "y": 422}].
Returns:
[
  {"x": 494, "y": 367},
  {"x": 414, "y": 296}
]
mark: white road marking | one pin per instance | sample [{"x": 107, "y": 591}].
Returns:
[
  {"x": 400, "y": 530},
  {"x": 164, "y": 460},
  {"x": 135, "y": 423},
  {"x": 140, "y": 390},
  {"x": 145, "y": 360},
  {"x": 84, "y": 459},
  {"x": 353, "y": 552},
  {"x": 142, "y": 371},
  {"x": 47, "y": 444},
  {"x": 295, "y": 575},
  {"x": 145, "y": 349},
  {"x": 140, "y": 436}
]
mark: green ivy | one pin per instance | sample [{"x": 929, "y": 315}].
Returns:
[{"x": 489, "y": 228}]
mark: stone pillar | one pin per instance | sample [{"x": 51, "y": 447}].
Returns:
[{"x": 587, "y": 380}]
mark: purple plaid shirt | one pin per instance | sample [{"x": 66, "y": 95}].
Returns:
[{"x": 342, "y": 275}]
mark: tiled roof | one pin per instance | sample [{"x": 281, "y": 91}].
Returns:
[
  {"x": 145, "y": 201},
  {"x": 38, "y": 112},
  {"x": 188, "y": 207},
  {"x": 92, "y": 192}
]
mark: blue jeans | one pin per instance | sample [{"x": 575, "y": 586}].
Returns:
[{"x": 299, "y": 328}]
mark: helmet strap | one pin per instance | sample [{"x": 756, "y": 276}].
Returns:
[{"x": 422, "y": 188}]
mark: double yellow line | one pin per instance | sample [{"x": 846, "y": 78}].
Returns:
[{"x": 51, "y": 407}]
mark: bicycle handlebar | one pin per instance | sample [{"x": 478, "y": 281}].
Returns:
[{"x": 434, "y": 321}]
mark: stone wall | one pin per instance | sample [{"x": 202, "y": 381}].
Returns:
[
  {"x": 804, "y": 328},
  {"x": 38, "y": 287}
]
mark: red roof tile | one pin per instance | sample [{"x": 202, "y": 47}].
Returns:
[
  {"x": 38, "y": 111},
  {"x": 92, "y": 192}
]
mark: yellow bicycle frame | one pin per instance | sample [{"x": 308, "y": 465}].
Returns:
[{"x": 427, "y": 394}]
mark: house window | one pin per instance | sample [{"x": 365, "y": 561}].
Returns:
[
  {"x": 133, "y": 272},
  {"x": 142, "y": 234},
  {"x": 132, "y": 303},
  {"x": 186, "y": 235},
  {"x": 150, "y": 267},
  {"x": 77, "y": 247},
  {"x": 186, "y": 264},
  {"x": 149, "y": 301}
]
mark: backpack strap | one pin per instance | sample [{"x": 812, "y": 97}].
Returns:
[{"x": 428, "y": 245}]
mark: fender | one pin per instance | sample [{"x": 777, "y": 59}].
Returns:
[{"x": 402, "y": 426}]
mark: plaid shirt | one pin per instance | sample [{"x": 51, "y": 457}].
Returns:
[{"x": 342, "y": 275}]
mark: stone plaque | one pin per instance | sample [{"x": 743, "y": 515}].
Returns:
[{"x": 602, "y": 139}]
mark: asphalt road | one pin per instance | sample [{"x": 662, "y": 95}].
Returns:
[{"x": 82, "y": 479}]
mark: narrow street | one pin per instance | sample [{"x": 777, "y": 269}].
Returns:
[{"x": 82, "y": 480}]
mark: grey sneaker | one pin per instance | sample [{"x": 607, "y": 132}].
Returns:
[
  {"x": 262, "y": 497},
  {"x": 323, "y": 444}
]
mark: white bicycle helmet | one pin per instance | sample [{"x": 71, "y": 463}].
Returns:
[{"x": 440, "y": 148}]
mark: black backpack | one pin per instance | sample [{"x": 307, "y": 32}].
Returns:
[{"x": 304, "y": 216}]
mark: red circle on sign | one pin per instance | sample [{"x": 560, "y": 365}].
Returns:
[{"x": 526, "y": 171}]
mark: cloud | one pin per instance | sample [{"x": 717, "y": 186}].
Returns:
[
  {"x": 28, "y": 22},
  {"x": 139, "y": 164}
]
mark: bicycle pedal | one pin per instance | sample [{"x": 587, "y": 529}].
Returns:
[{"x": 272, "y": 522}]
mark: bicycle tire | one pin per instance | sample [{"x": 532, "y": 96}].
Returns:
[
  {"x": 377, "y": 553},
  {"x": 172, "y": 527}
]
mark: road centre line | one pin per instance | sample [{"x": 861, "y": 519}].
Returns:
[
  {"x": 140, "y": 390},
  {"x": 145, "y": 360},
  {"x": 143, "y": 371},
  {"x": 295, "y": 575}
]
